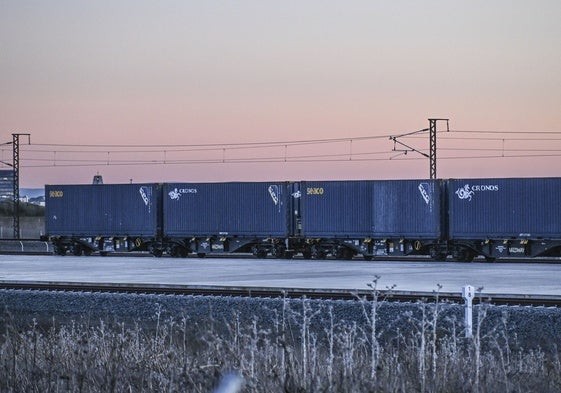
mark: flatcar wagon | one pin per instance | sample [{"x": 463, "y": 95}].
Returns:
[
  {"x": 82, "y": 219},
  {"x": 504, "y": 218},
  {"x": 211, "y": 218},
  {"x": 372, "y": 218}
]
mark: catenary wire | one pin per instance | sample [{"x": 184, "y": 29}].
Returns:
[{"x": 220, "y": 147}]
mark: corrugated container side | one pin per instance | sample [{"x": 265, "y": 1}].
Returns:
[
  {"x": 229, "y": 209},
  {"x": 388, "y": 208},
  {"x": 102, "y": 210},
  {"x": 407, "y": 209},
  {"x": 505, "y": 208},
  {"x": 336, "y": 208}
]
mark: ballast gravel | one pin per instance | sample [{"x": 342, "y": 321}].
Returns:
[{"x": 531, "y": 327}]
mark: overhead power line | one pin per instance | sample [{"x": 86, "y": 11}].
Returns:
[
  {"x": 349, "y": 149},
  {"x": 220, "y": 145},
  {"x": 506, "y": 132}
]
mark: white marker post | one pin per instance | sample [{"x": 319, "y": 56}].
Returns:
[{"x": 468, "y": 292}]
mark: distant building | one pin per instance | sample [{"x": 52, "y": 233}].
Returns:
[
  {"x": 27, "y": 195},
  {"x": 40, "y": 200},
  {"x": 6, "y": 184}
]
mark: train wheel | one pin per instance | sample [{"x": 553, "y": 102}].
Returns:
[
  {"x": 76, "y": 250},
  {"x": 201, "y": 255},
  {"x": 463, "y": 255},
  {"x": 318, "y": 254},
  {"x": 344, "y": 253},
  {"x": 260, "y": 252},
  {"x": 278, "y": 252},
  {"x": 60, "y": 250},
  {"x": 367, "y": 257},
  {"x": 307, "y": 254},
  {"x": 437, "y": 255},
  {"x": 178, "y": 252}
]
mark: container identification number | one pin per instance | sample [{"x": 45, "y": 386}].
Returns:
[
  {"x": 56, "y": 194},
  {"x": 314, "y": 191}
]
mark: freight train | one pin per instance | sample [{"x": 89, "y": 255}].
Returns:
[{"x": 452, "y": 218}]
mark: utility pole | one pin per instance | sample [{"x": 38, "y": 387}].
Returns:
[
  {"x": 15, "y": 166},
  {"x": 432, "y": 143},
  {"x": 432, "y": 154}
]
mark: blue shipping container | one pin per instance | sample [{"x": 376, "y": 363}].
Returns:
[
  {"x": 377, "y": 209},
  {"x": 227, "y": 209},
  {"x": 407, "y": 209},
  {"x": 102, "y": 210},
  {"x": 505, "y": 208},
  {"x": 335, "y": 209}
]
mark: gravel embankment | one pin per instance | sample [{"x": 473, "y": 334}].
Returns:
[{"x": 528, "y": 326}]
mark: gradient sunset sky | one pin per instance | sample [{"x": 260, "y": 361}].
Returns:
[{"x": 142, "y": 89}]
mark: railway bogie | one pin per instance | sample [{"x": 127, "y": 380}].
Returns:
[{"x": 101, "y": 245}]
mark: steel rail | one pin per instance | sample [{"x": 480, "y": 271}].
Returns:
[{"x": 292, "y": 293}]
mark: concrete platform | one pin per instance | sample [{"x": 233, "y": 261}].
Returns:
[{"x": 494, "y": 278}]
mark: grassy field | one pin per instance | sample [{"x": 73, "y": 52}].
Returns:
[{"x": 300, "y": 349}]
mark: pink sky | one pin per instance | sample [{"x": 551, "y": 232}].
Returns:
[{"x": 183, "y": 73}]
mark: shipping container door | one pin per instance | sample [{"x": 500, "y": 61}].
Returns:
[
  {"x": 406, "y": 209},
  {"x": 336, "y": 209}
]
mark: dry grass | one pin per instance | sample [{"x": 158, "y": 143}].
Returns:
[{"x": 292, "y": 356}]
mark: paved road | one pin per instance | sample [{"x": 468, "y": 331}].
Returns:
[{"x": 503, "y": 278}]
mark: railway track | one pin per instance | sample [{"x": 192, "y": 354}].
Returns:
[{"x": 256, "y": 292}]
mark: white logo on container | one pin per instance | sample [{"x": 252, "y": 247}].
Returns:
[
  {"x": 144, "y": 196},
  {"x": 273, "y": 191},
  {"x": 464, "y": 192},
  {"x": 175, "y": 194},
  {"x": 467, "y": 191},
  {"x": 422, "y": 189}
]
